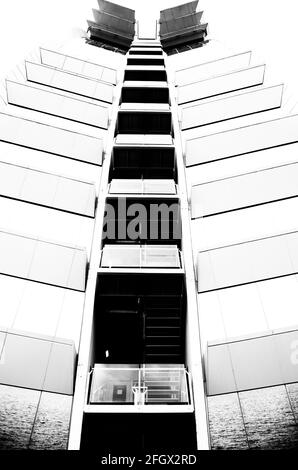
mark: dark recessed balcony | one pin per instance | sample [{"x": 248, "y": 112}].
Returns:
[
  {"x": 144, "y": 122},
  {"x": 144, "y": 95},
  {"x": 152, "y": 74},
  {"x": 142, "y": 162},
  {"x": 144, "y": 52},
  {"x": 139, "y": 317},
  {"x": 145, "y": 61}
]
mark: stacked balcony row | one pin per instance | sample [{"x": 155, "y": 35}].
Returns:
[{"x": 138, "y": 351}]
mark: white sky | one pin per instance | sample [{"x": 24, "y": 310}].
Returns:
[{"x": 269, "y": 27}]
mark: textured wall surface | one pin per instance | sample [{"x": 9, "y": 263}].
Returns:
[
  {"x": 30, "y": 419},
  {"x": 257, "y": 419}
]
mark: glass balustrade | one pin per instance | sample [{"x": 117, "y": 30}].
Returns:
[
  {"x": 140, "y": 386},
  {"x": 144, "y": 256}
]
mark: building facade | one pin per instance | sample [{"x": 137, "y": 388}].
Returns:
[{"x": 152, "y": 301}]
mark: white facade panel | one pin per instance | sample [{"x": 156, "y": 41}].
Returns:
[
  {"x": 248, "y": 262},
  {"x": 67, "y": 81},
  {"x": 232, "y": 107},
  {"x": 251, "y": 363},
  {"x": 78, "y": 66},
  {"x": 50, "y": 139},
  {"x": 42, "y": 261},
  {"x": 242, "y": 140},
  {"x": 244, "y": 190},
  {"x": 36, "y": 362},
  {"x": 221, "y": 84},
  {"x": 212, "y": 68},
  {"x": 47, "y": 189},
  {"x": 57, "y": 104}
]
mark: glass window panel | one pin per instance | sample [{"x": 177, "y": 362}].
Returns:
[
  {"x": 227, "y": 430},
  {"x": 59, "y": 265},
  {"x": 16, "y": 253},
  {"x": 256, "y": 363},
  {"x": 24, "y": 361},
  {"x": 247, "y": 262},
  {"x": 72, "y": 64},
  {"x": 17, "y": 413},
  {"x": 209, "y": 69},
  {"x": 232, "y": 107},
  {"x": 2, "y": 341},
  {"x": 252, "y": 362},
  {"x": 46, "y": 224},
  {"x": 11, "y": 179},
  {"x": 268, "y": 419},
  {"x": 39, "y": 309},
  {"x": 220, "y": 373},
  {"x": 62, "y": 80},
  {"x": 211, "y": 317},
  {"x": 39, "y": 187},
  {"x": 47, "y": 189},
  {"x": 50, "y": 139},
  {"x": 75, "y": 196},
  {"x": 279, "y": 299},
  {"x": 69, "y": 325},
  {"x": 42, "y": 261},
  {"x": 242, "y": 310},
  {"x": 221, "y": 84},
  {"x": 11, "y": 295},
  {"x": 51, "y": 426},
  {"x": 235, "y": 193},
  {"x": 243, "y": 140},
  {"x": 60, "y": 373},
  {"x": 32, "y": 158},
  {"x": 57, "y": 104}
]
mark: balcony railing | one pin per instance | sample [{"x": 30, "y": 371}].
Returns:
[
  {"x": 142, "y": 186},
  {"x": 139, "y": 386},
  {"x": 140, "y": 256}
]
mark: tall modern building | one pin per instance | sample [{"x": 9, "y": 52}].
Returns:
[{"x": 152, "y": 302}]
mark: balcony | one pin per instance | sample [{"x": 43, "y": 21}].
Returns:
[
  {"x": 139, "y": 317},
  {"x": 146, "y": 60},
  {"x": 139, "y": 386},
  {"x": 143, "y": 162},
  {"x": 144, "y": 118},
  {"x": 150, "y": 73},
  {"x": 140, "y": 256}
]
